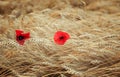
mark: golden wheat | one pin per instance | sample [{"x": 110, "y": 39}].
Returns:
[{"x": 92, "y": 51}]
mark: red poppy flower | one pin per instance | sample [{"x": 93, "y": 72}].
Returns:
[
  {"x": 21, "y": 37},
  {"x": 61, "y": 37}
]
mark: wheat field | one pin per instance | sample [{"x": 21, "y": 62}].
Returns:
[{"x": 93, "y": 49}]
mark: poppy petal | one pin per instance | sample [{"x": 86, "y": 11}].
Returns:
[
  {"x": 18, "y": 32},
  {"x": 26, "y": 35},
  {"x": 67, "y": 35},
  {"x": 21, "y": 37},
  {"x": 61, "y": 37},
  {"x": 60, "y": 42},
  {"x": 21, "y": 42}
]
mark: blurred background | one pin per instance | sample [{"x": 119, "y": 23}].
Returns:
[{"x": 19, "y": 7}]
